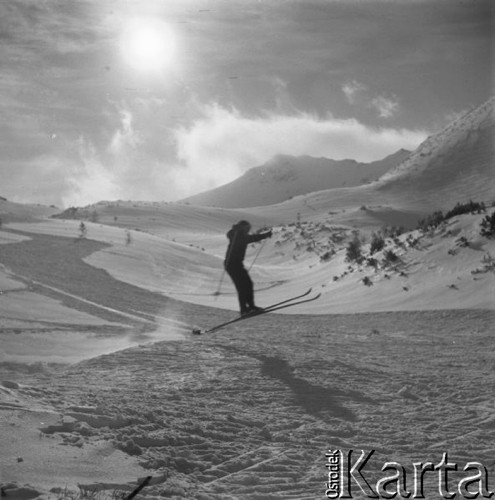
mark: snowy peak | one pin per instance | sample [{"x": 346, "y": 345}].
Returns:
[
  {"x": 284, "y": 177},
  {"x": 455, "y": 164}
]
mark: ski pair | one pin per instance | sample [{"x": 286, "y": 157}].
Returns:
[{"x": 292, "y": 301}]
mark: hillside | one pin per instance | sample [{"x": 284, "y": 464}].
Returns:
[
  {"x": 188, "y": 265},
  {"x": 18, "y": 212},
  {"x": 285, "y": 176},
  {"x": 455, "y": 164}
]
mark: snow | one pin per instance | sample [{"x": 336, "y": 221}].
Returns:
[
  {"x": 436, "y": 275},
  {"x": 285, "y": 176},
  {"x": 455, "y": 163},
  {"x": 102, "y": 383},
  {"x": 251, "y": 411}
]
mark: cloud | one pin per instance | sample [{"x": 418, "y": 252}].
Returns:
[
  {"x": 222, "y": 144},
  {"x": 90, "y": 180},
  {"x": 79, "y": 125},
  {"x": 124, "y": 138},
  {"x": 126, "y": 168},
  {"x": 143, "y": 159},
  {"x": 386, "y": 107},
  {"x": 352, "y": 89},
  {"x": 51, "y": 27},
  {"x": 358, "y": 93}
]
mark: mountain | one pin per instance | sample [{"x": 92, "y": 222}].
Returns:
[
  {"x": 456, "y": 164},
  {"x": 284, "y": 177},
  {"x": 17, "y": 212}
]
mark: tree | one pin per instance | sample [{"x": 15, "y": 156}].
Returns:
[
  {"x": 367, "y": 281},
  {"x": 466, "y": 208},
  {"x": 377, "y": 243},
  {"x": 353, "y": 250},
  {"x": 431, "y": 221},
  {"x": 390, "y": 257},
  {"x": 83, "y": 230},
  {"x": 488, "y": 226}
]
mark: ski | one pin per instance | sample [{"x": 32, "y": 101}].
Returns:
[
  {"x": 292, "y": 301},
  {"x": 136, "y": 490},
  {"x": 296, "y": 297},
  {"x": 284, "y": 306},
  {"x": 198, "y": 331}
]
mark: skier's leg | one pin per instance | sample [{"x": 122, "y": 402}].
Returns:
[
  {"x": 236, "y": 274},
  {"x": 247, "y": 290}
]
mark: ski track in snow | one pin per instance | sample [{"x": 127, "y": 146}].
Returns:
[{"x": 249, "y": 412}]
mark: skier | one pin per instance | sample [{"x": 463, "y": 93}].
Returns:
[{"x": 239, "y": 239}]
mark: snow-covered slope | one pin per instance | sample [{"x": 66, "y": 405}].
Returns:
[
  {"x": 286, "y": 176},
  {"x": 450, "y": 267},
  {"x": 456, "y": 164},
  {"x": 247, "y": 409},
  {"x": 11, "y": 211}
]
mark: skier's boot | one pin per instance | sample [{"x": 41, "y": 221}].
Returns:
[{"x": 254, "y": 309}]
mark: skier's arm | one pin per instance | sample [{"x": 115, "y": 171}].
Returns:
[{"x": 251, "y": 238}]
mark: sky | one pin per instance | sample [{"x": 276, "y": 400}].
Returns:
[{"x": 161, "y": 99}]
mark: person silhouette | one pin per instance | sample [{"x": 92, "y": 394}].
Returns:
[{"x": 239, "y": 239}]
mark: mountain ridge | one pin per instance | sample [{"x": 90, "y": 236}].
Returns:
[
  {"x": 455, "y": 164},
  {"x": 285, "y": 176}
]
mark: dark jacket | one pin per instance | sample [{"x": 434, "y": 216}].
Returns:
[{"x": 238, "y": 242}]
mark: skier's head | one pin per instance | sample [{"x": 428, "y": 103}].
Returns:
[{"x": 244, "y": 226}]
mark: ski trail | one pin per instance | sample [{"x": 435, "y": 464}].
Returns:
[
  {"x": 254, "y": 466},
  {"x": 170, "y": 320},
  {"x": 94, "y": 304}
]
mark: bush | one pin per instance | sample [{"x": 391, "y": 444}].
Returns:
[
  {"x": 372, "y": 262},
  {"x": 466, "y": 208},
  {"x": 128, "y": 237},
  {"x": 488, "y": 226},
  {"x": 392, "y": 231},
  {"x": 353, "y": 251},
  {"x": 431, "y": 221},
  {"x": 436, "y": 218},
  {"x": 367, "y": 281},
  {"x": 412, "y": 241},
  {"x": 83, "y": 231},
  {"x": 390, "y": 257},
  {"x": 377, "y": 243},
  {"x": 488, "y": 264},
  {"x": 326, "y": 256}
]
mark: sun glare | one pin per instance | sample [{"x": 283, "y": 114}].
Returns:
[{"x": 148, "y": 45}]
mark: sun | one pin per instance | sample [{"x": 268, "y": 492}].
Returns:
[{"x": 148, "y": 45}]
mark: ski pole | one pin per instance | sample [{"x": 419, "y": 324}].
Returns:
[
  {"x": 256, "y": 256},
  {"x": 217, "y": 293},
  {"x": 139, "y": 488}
]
